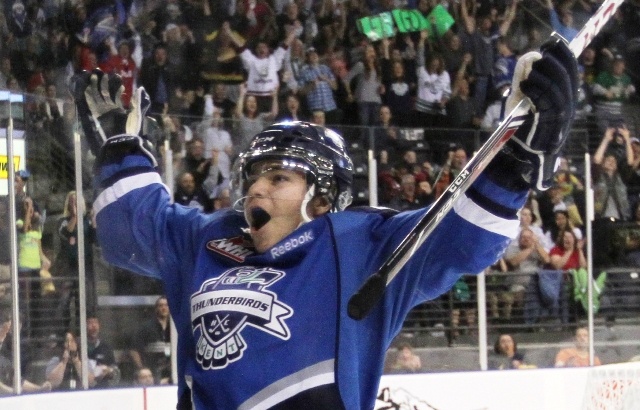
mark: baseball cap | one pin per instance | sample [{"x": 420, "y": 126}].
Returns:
[
  {"x": 23, "y": 173},
  {"x": 635, "y": 140},
  {"x": 311, "y": 50}
]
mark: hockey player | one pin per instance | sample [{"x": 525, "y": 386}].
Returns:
[{"x": 259, "y": 296}]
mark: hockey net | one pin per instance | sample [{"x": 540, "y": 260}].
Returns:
[{"x": 613, "y": 387}]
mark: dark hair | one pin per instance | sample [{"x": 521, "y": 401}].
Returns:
[{"x": 496, "y": 345}]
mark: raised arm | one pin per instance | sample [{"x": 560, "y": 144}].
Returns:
[
  {"x": 602, "y": 148},
  {"x": 240, "y": 103},
  {"x": 509, "y": 16}
]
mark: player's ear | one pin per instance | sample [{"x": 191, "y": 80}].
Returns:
[{"x": 319, "y": 205}]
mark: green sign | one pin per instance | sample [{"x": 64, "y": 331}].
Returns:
[{"x": 386, "y": 24}]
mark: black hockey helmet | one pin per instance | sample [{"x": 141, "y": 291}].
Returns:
[{"x": 317, "y": 151}]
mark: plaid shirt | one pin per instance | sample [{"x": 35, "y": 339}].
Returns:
[{"x": 321, "y": 97}]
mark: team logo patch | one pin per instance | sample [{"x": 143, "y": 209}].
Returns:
[
  {"x": 234, "y": 248},
  {"x": 225, "y": 305}
]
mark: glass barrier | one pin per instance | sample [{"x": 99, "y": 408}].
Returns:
[{"x": 122, "y": 308}]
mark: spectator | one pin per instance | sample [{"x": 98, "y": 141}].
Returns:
[
  {"x": 567, "y": 254},
  {"x": 158, "y": 77},
  {"x": 318, "y": 85},
  {"x": 457, "y": 61},
  {"x": 195, "y": 161},
  {"x": 189, "y": 194},
  {"x": 249, "y": 121},
  {"x": 412, "y": 194},
  {"x": 572, "y": 190},
  {"x": 611, "y": 89},
  {"x": 122, "y": 64},
  {"x": 387, "y": 138},
  {"x": 610, "y": 191},
  {"x": 456, "y": 160},
  {"x": 215, "y": 184},
  {"x": 106, "y": 371},
  {"x": 181, "y": 52},
  {"x": 525, "y": 256},
  {"x": 505, "y": 354},
  {"x": 260, "y": 17},
  {"x": 64, "y": 370},
  {"x": 294, "y": 60},
  {"x": 292, "y": 110},
  {"x": 31, "y": 259},
  {"x": 551, "y": 201},
  {"x": 478, "y": 34},
  {"x": 367, "y": 75},
  {"x": 21, "y": 178},
  {"x": 527, "y": 221},
  {"x": 66, "y": 262},
  {"x": 406, "y": 361},
  {"x": 6, "y": 359},
  {"x": 562, "y": 24},
  {"x": 216, "y": 138},
  {"x": 262, "y": 71},
  {"x": 434, "y": 88},
  {"x": 151, "y": 344},
  {"x": 462, "y": 111},
  {"x": 562, "y": 223},
  {"x": 291, "y": 20},
  {"x": 144, "y": 377},
  {"x": 221, "y": 100},
  {"x": 399, "y": 89},
  {"x": 617, "y": 142},
  {"x": 499, "y": 299},
  {"x": 504, "y": 67},
  {"x": 577, "y": 356}
]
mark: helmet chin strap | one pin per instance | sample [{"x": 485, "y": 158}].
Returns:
[{"x": 303, "y": 207}]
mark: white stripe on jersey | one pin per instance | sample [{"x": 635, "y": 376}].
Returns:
[
  {"x": 473, "y": 213},
  {"x": 124, "y": 186},
  {"x": 316, "y": 375}
]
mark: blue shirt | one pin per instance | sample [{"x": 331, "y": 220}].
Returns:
[{"x": 320, "y": 97}]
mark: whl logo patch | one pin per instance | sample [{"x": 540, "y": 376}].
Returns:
[
  {"x": 233, "y": 248},
  {"x": 225, "y": 305}
]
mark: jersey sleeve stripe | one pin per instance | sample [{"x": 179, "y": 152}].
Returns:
[
  {"x": 498, "y": 194},
  {"x": 316, "y": 375},
  {"x": 490, "y": 205},
  {"x": 475, "y": 214},
  {"x": 124, "y": 186}
]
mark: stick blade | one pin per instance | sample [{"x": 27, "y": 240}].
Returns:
[{"x": 363, "y": 301}]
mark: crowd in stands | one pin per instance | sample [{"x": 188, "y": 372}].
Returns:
[{"x": 219, "y": 71}]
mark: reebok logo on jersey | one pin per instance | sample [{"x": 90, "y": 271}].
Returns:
[
  {"x": 233, "y": 248},
  {"x": 225, "y": 305},
  {"x": 290, "y": 244}
]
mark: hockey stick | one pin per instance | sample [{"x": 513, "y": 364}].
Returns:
[{"x": 373, "y": 288}]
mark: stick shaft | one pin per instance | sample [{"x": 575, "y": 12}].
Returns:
[{"x": 371, "y": 291}]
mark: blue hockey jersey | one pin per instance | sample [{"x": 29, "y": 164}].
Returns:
[{"x": 271, "y": 330}]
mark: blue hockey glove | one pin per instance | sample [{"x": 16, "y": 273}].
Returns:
[
  {"x": 549, "y": 79},
  {"x": 111, "y": 131}
]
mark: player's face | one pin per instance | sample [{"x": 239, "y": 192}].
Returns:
[{"x": 279, "y": 192}]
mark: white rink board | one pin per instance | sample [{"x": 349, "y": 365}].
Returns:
[{"x": 533, "y": 389}]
